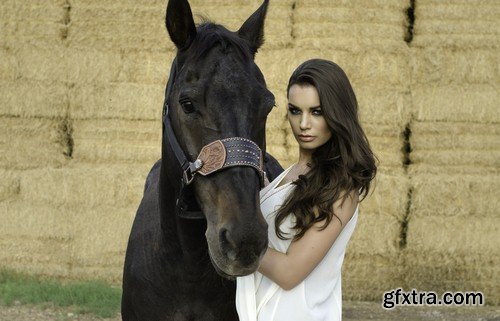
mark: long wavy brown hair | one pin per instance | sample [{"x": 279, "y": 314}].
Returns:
[{"x": 344, "y": 163}]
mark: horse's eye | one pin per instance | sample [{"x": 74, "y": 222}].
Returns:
[{"x": 187, "y": 106}]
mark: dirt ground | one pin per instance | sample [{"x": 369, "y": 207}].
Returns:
[{"x": 353, "y": 311}]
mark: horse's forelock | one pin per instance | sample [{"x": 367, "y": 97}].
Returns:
[{"x": 210, "y": 35}]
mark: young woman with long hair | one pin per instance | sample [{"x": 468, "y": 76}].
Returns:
[{"x": 312, "y": 207}]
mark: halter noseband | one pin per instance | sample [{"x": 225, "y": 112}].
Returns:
[{"x": 213, "y": 157}]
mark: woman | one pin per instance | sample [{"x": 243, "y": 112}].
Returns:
[{"x": 312, "y": 207}]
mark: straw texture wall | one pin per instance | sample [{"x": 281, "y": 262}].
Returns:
[
  {"x": 81, "y": 90},
  {"x": 455, "y": 141}
]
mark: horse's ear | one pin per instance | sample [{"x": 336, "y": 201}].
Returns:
[
  {"x": 253, "y": 29},
  {"x": 180, "y": 23}
]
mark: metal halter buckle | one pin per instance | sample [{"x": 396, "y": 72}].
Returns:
[
  {"x": 187, "y": 176},
  {"x": 190, "y": 172}
]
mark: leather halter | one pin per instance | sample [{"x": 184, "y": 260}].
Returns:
[{"x": 213, "y": 157}]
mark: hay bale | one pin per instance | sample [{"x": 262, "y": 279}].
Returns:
[
  {"x": 119, "y": 100},
  {"x": 454, "y": 135},
  {"x": 96, "y": 24},
  {"x": 355, "y": 26},
  {"x": 85, "y": 185},
  {"x": 449, "y": 195},
  {"x": 376, "y": 234},
  {"x": 367, "y": 277},
  {"x": 38, "y": 22},
  {"x": 99, "y": 68},
  {"x": 436, "y": 65},
  {"x": 371, "y": 260},
  {"x": 35, "y": 238},
  {"x": 31, "y": 143},
  {"x": 9, "y": 184},
  {"x": 370, "y": 4},
  {"x": 40, "y": 256},
  {"x": 386, "y": 142},
  {"x": 454, "y": 254},
  {"x": 98, "y": 248},
  {"x": 389, "y": 194},
  {"x": 376, "y": 69},
  {"x": 119, "y": 26},
  {"x": 71, "y": 220},
  {"x": 8, "y": 69},
  {"x": 281, "y": 154},
  {"x": 455, "y": 144},
  {"x": 453, "y": 170},
  {"x": 146, "y": 68},
  {"x": 458, "y": 103},
  {"x": 275, "y": 137},
  {"x": 456, "y": 25},
  {"x": 457, "y": 157},
  {"x": 248, "y": 3},
  {"x": 26, "y": 62},
  {"x": 117, "y": 141},
  {"x": 384, "y": 105},
  {"x": 31, "y": 98},
  {"x": 34, "y": 220},
  {"x": 463, "y": 235}
]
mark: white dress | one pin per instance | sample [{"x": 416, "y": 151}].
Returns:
[{"x": 318, "y": 297}]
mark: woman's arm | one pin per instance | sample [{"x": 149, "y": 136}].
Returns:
[{"x": 289, "y": 269}]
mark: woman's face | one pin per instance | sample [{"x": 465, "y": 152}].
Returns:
[{"x": 306, "y": 117}]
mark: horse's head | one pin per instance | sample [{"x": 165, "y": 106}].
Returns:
[{"x": 219, "y": 92}]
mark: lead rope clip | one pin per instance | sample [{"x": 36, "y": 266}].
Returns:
[{"x": 190, "y": 172}]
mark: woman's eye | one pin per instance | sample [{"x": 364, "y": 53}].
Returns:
[
  {"x": 187, "y": 106},
  {"x": 318, "y": 112},
  {"x": 293, "y": 111}
]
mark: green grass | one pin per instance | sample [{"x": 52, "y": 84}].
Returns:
[{"x": 95, "y": 297}]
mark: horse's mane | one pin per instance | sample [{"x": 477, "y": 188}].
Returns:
[{"x": 210, "y": 34}]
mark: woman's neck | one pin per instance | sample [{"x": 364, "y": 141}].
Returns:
[{"x": 305, "y": 157}]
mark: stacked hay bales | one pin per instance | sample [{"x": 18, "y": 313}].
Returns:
[
  {"x": 79, "y": 132},
  {"x": 453, "y": 237},
  {"x": 120, "y": 56},
  {"x": 34, "y": 236}
]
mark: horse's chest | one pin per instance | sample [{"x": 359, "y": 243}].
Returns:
[
  {"x": 194, "y": 312},
  {"x": 202, "y": 301}
]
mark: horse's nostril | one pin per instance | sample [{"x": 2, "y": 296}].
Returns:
[
  {"x": 225, "y": 237},
  {"x": 231, "y": 254},
  {"x": 228, "y": 244}
]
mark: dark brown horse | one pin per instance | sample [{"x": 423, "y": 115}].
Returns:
[{"x": 193, "y": 234}]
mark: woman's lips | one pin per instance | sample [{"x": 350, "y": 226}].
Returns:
[{"x": 306, "y": 138}]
